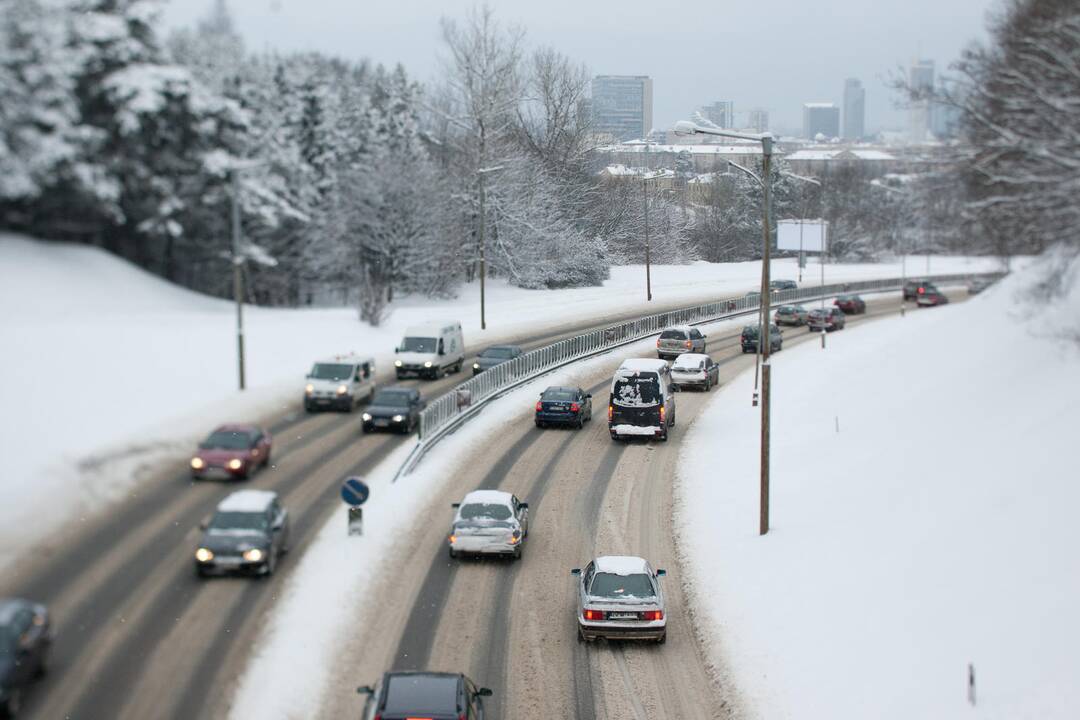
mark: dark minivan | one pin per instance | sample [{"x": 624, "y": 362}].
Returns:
[
  {"x": 749, "y": 338},
  {"x": 642, "y": 400},
  {"x": 430, "y": 695}
]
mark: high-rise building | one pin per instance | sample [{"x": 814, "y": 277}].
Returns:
[
  {"x": 758, "y": 120},
  {"x": 820, "y": 119},
  {"x": 721, "y": 113},
  {"x": 921, "y": 83},
  {"x": 622, "y": 105},
  {"x": 854, "y": 109}
]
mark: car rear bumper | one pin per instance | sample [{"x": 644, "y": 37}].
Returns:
[
  {"x": 626, "y": 430},
  {"x": 557, "y": 418},
  {"x": 699, "y": 379},
  {"x": 630, "y": 630},
  {"x": 484, "y": 546}
]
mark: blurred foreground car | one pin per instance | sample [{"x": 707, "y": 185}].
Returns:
[
  {"x": 232, "y": 452},
  {"x": 563, "y": 406},
  {"x": 830, "y": 318},
  {"x": 247, "y": 533},
  {"x": 695, "y": 369},
  {"x": 495, "y": 355},
  {"x": 620, "y": 598},
  {"x": 25, "y": 640},
  {"x": 791, "y": 315},
  {"x": 489, "y": 522},
  {"x": 395, "y": 408},
  {"x": 850, "y": 304},
  {"x": 932, "y": 298},
  {"x": 677, "y": 340},
  {"x": 408, "y": 695}
]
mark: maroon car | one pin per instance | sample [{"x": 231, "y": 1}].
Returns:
[
  {"x": 850, "y": 304},
  {"x": 232, "y": 452},
  {"x": 932, "y": 298}
]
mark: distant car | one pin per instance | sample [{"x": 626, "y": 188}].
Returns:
[
  {"x": 620, "y": 598},
  {"x": 563, "y": 406},
  {"x": 696, "y": 369},
  {"x": 914, "y": 288},
  {"x": 677, "y": 340},
  {"x": 977, "y": 285},
  {"x": 247, "y": 533},
  {"x": 489, "y": 522},
  {"x": 25, "y": 641},
  {"x": 932, "y": 298},
  {"x": 850, "y": 304},
  {"x": 776, "y": 285},
  {"x": 232, "y": 452},
  {"x": 749, "y": 338},
  {"x": 411, "y": 695},
  {"x": 495, "y": 355},
  {"x": 395, "y": 408},
  {"x": 791, "y": 315},
  {"x": 829, "y": 318}
]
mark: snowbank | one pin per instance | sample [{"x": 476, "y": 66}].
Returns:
[{"x": 923, "y": 507}]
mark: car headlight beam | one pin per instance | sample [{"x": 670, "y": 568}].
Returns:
[
  {"x": 342, "y": 389},
  {"x": 427, "y": 364},
  {"x": 204, "y": 555},
  {"x": 398, "y": 363},
  {"x": 366, "y": 417},
  {"x": 254, "y": 555},
  {"x": 236, "y": 464},
  {"x": 197, "y": 463},
  {"x": 309, "y": 389},
  {"x": 399, "y": 418}
]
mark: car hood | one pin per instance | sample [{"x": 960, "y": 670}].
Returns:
[
  {"x": 486, "y": 363},
  {"x": 385, "y": 411},
  {"x": 416, "y": 358},
  {"x": 221, "y": 455},
  {"x": 233, "y": 541}
]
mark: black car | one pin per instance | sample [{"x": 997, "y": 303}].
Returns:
[
  {"x": 429, "y": 695},
  {"x": 783, "y": 285},
  {"x": 394, "y": 408},
  {"x": 749, "y": 338},
  {"x": 248, "y": 532},
  {"x": 495, "y": 355},
  {"x": 914, "y": 288},
  {"x": 25, "y": 639},
  {"x": 563, "y": 406}
]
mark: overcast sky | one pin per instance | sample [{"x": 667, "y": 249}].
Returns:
[{"x": 774, "y": 55}]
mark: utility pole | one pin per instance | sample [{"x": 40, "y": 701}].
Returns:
[
  {"x": 765, "y": 337},
  {"x": 238, "y": 276},
  {"x": 648, "y": 270},
  {"x": 483, "y": 264}
]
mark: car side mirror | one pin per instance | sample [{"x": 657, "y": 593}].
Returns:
[
  {"x": 484, "y": 692},
  {"x": 455, "y": 505},
  {"x": 523, "y": 506},
  {"x": 661, "y": 573},
  {"x": 575, "y": 571},
  {"x": 588, "y": 396},
  {"x": 365, "y": 690},
  {"x": 279, "y": 521}
]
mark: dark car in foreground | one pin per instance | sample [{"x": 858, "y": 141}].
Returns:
[
  {"x": 829, "y": 318},
  {"x": 914, "y": 288},
  {"x": 25, "y": 640},
  {"x": 790, "y": 315},
  {"x": 570, "y": 406},
  {"x": 850, "y": 304},
  {"x": 749, "y": 338},
  {"x": 232, "y": 452},
  {"x": 411, "y": 695},
  {"x": 495, "y": 355},
  {"x": 932, "y": 298},
  {"x": 394, "y": 408},
  {"x": 247, "y": 533}
]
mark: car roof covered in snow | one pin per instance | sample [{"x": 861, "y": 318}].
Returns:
[
  {"x": 636, "y": 365},
  {"x": 247, "y": 501},
  {"x": 690, "y": 359},
  {"x": 622, "y": 565},
  {"x": 487, "y": 497}
]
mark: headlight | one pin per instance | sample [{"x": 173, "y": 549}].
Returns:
[
  {"x": 342, "y": 389},
  {"x": 399, "y": 418},
  {"x": 366, "y": 417},
  {"x": 197, "y": 463},
  {"x": 427, "y": 364},
  {"x": 309, "y": 388},
  {"x": 254, "y": 555},
  {"x": 397, "y": 363},
  {"x": 236, "y": 464},
  {"x": 476, "y": 366},
  {"x": 204, "y": 555}
]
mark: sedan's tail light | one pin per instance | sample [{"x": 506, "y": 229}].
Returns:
[
  {"x": 657, "y": 342},
  {"x": 539, "y": 406},
  {"x": 663, "y": 414},
  {"x": 594, "y": 614},
  {"x": 610, "y": 412},
  {"x": 652, "y": 615},
  {"x": 574, "y": 407}
]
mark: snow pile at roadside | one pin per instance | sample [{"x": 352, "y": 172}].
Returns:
[{"x": 923, "y": 518}]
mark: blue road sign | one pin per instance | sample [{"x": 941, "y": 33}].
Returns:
[{"x": 354, "y": 492}]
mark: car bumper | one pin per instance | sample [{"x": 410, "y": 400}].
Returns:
[
  {"x": 230, "y": 566},
  {"x": 328, "y": 401},
  {"x": 385, "y": 424},
  {"x": 484, "y": 546},
  {"x": 631, "y": 630},
  {"x": 680, "y": 379},
  {"x": 635, "y": 430},
  {"x": 218, "y": 473},
  {"x": 418, "y": 371},
  {"x": 553, "y": 418}
]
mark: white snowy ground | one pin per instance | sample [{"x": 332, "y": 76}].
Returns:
[
  {"x": 935, "y": 528},
  {"x": 107, "y": 368}
]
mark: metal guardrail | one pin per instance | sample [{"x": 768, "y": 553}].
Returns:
[{"x": 450, "y": 410}]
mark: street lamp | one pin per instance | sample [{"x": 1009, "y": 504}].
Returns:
[
  {"x": 685, "y": 127},
  {"x": 480, "y": 173}
]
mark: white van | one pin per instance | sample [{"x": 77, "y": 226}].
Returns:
[
  {"x": 430, "y": 350},
  {"x": 340, "y": 382},
  {"x": 642, "y": 400}
]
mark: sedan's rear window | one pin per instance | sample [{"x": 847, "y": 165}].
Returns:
[
  {"x": 485, "y": 511},
  {"x": 559, "y": 396},
  {"x": 421, "y": 695},
  {"x": 609, "y": 585},
  {"x": 673, "y": 335}
]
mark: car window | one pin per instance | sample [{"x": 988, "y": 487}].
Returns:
[
  {"x": 421, "y": 694},
  {"x": 392, "y": 398},
  {"x": 673, "y": 335},
  {"x": 331, "y": 371},
  {"x": 484, "y": 511},
  {"x": 559, "y": 395},
  {"x": 641, "y": 390},
  {"x": 610, "y": 585},
  {"x": 418, "y": 344},
  {"x": 227, "y": 440},
  {"x": 226, "y": 521},
  {"x": 500, "y": 353}
]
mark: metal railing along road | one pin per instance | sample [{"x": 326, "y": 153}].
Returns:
[{"x": 447, "y": 412}]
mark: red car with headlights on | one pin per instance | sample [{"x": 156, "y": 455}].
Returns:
[{"x": 232, "y": 452}]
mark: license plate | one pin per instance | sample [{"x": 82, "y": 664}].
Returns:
[
  {"x": 623, "y": 616},
  {"x": 382, "y": 423},
  {"x": 231, "y": 561}
]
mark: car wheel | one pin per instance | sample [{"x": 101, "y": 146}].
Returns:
[
  {"x": 308, "y": 407},
  {"x": 517, "y": 552},
  {"x": 580, "y": 423},
  {"x": 708, "y": 384},
  {"x": 200, "y": 572},
  {"x": 663, "y": 438},
  {"x": 662, "y": 639},
  {"x": 581, "y": 635},
  {"x": 271, "y": 564},
  {"x": 453, "y": 554}
]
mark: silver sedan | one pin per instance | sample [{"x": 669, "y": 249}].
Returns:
[
  {"x": 620, "y": 598},
  {"x": 489, "y": 522}
]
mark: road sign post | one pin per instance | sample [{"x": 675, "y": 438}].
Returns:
[{"x": 355, "y": 492}]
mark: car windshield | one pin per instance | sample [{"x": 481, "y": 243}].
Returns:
[
  {"x": 681, "y": 364},
  {"x": 485, "y": 511},
  {"x": 673, "y": 335},
  {"x": 499, "y": 353},
  {"x": 609, "y": 585},
  {"x": 391, "y": 398},
  {"x": 227, "y": 440},
  {"x": 418, "y": 345},
  {"x": 331, "y": 371},
  {"x": 558, "y": 395},
  {"x": 638, "y": 391},
  {"x": 224, "y": 521},
  {"x": 785, "y": 310},
  {"x": 421, "y": 695}
]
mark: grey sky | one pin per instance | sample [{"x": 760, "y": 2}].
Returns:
[{"x": 776, "y": 55}]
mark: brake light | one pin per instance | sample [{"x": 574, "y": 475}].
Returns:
[
  {"x": 922, "y": 290},
  {"x": 663, "y": 414},
  {"x": 657, "y": 342},
  {"x": 689, "y": 344},
  {"x": 594, "y": 614},
  {"x": 574, "y": 407},
  {"x": 652, "y": 615},
  {"x": 610, "y": 412},
  {"x": 539, "y": 406}
]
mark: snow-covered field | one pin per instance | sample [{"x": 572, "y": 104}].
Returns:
[
  {"x": 923, "y": 519},
  {"x": 107, "y": 368}
]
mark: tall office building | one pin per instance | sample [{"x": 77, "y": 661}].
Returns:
[
  {"x": 622, "y": 105},
  {"x": 854, "y": 109},
  {"x": 721, "y": 113},
  {"x": 920, "y": 80},
  {"x": 758, "y": 120},
  {"x": 820, "y": 119}
]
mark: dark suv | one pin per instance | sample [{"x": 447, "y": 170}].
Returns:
[
  {"x": 914, "y": 288},
  {"x": 25, "y": 639},
  {"x": 749, "y": 339},
  {"x": 430, "y": 695}
]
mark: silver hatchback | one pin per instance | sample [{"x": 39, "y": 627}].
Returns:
[{"x": 620, "y": 598}]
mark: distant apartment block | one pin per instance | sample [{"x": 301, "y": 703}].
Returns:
[
  {"x": 821, "y": 119},
  {"x": 757, "y": 120},
  {"x": 920, "y": 80},
  {"x": 622, "y": 106},
  {"x": 720, "y": 113},
  {"x": 854, "y": 110}
]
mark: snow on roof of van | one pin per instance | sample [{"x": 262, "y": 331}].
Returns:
[
  {"x": 247, "y": 501},
  {"x": 621, "y": 565},
  {"x": 487, "y": 497},
  {"x": 634, "y": 365}
]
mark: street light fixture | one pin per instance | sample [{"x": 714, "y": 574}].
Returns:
[{"x": 685, "y": 127}]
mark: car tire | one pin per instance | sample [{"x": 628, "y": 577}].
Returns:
[
  {"x": 271, "y": 565},
  {"x": 663, "y": 438},
  {"x": 662, "y": 639},
  {"x": 580, "y": 423},
  {"x": 517, "y": 552},
  {"x": 708, "y": 384},
  {"x": 453, "y": 554},
  {"x": 200, "y": 572}
]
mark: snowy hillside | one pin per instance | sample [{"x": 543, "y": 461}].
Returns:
[{"x": 923, "y": 518}]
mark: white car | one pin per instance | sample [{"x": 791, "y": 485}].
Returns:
[
  {"x": 620, "y": 598},
  {"x": 340, "y": 382},
  {"x": 695, "y": 369},
  {"x": 489, "y": 522}
]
